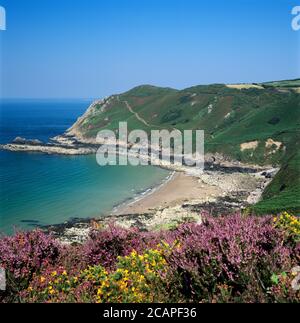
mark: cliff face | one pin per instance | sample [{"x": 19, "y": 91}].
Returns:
[{"x": 77, "y": 128}]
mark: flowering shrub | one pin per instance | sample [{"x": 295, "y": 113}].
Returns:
[
  {"x": 289, "y": 224},
  {"x": 50, "y": 286},
  {"x": 25, "y": 254},
  {"x": 138, "y": 278},
  {"x": 104, "y": 246},
  {"x": 240, "y": 252},
  {"x": 226, "y": 259}
]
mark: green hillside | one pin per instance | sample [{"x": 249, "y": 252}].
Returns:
[
  {"x": 285, "y": 83},
  {"x": 256, "y": 123}
]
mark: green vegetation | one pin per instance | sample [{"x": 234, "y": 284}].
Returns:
[
  {"x": 285, "y": 83},
  {"x": 267, "y": 114}
]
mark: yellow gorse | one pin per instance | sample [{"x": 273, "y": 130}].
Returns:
[
  {"x": 136, "y": 278},
  {"x": 289, "y": 223}
]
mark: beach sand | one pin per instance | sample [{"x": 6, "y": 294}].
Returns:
[
  {"x": 181, "y": 198},
  {"x": 180, "y": 188}
]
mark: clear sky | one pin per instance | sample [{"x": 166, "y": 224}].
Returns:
[{"x": 94, "y": 48}]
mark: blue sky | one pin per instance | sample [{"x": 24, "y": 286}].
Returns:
[{"x": 94, "y": 48}]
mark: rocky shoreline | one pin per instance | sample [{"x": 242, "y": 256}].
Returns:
[
  {"x": 60, "y": 145},
  {"x": 234, "y": 192},
  {"x": 71, "y": 144}
]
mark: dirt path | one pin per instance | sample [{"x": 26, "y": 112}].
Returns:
[
  {"x": 136, "y": 114},
  {"x": 139, "y": 117},
  {"x": 128, "y": 106}
]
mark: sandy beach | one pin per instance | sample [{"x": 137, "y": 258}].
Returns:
[
  {"x": 180, "y": 188},
  {"x": 180, "y": 198}
]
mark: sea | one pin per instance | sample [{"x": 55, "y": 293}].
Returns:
[{"x": 38, "y": 189}]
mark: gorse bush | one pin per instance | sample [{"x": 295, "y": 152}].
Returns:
[
  {"x": 137, "y": 278},
  {"x": 290, "y": 225},
  {"x": 226, "y": 259}
]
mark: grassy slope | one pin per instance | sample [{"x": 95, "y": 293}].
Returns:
[{"x": 229, "y": 117}]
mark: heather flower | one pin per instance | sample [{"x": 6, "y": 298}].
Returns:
[
  {"x": 235, "y": 250},
  {"x": 104, "y": 246},
  {"x": 27, "y": 252}
]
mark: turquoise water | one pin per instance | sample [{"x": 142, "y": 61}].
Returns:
[{"x": 38, "y": 189}]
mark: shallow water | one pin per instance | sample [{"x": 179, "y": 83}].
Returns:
[{"x": 38, "y": 189}]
